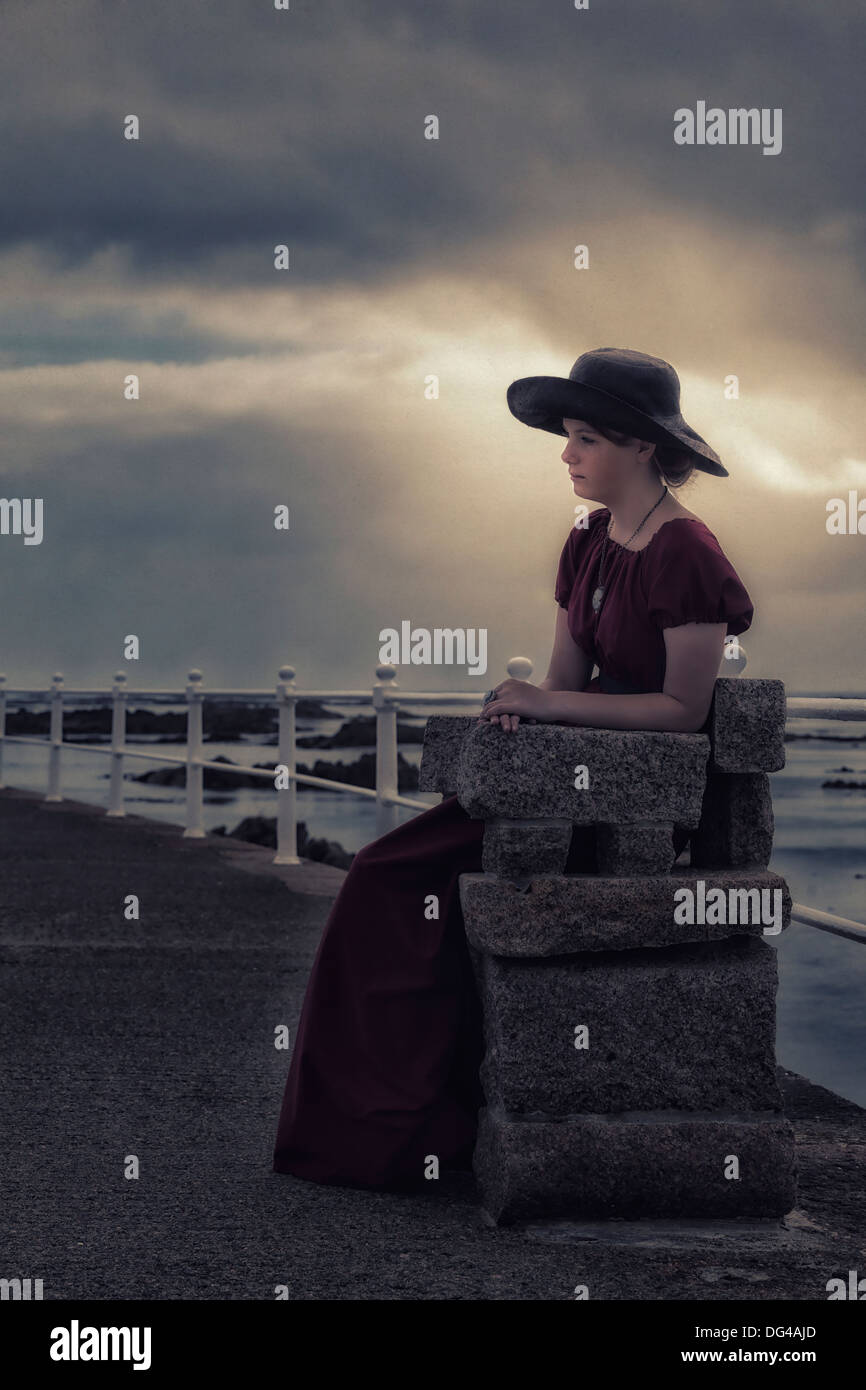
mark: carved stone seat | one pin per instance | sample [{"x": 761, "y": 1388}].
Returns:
[{"x": 629, "y": 1014}]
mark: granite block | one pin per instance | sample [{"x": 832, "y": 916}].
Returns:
[
  {"x": 440, "y": 752},
  {"x": 630, "y": 776},
  {"x": 736, "y": 826},
  {"x": 518, "y": 848},
  {"x": 559, "y": 914},
  {"x": 747, "y": 725},
  {"x": 635, "y": 849},
  {"x": 686, "y": 1028},
  {"x": 635, "y": 1166}
]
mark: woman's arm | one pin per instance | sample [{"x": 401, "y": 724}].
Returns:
[
  {"x": 570, "y": 668},
  {"x": 694, "y": 654}
]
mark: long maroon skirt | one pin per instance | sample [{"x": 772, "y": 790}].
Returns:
[{"x": 384, "y": 1071}]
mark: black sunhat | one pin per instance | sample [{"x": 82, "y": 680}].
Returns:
[{"x": 625, "y": 390}]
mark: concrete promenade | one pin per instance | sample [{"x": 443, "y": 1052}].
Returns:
[{"x": 156, "y": 1038}]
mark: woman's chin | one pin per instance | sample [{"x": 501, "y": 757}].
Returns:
[{"x": 580, "y": 491}]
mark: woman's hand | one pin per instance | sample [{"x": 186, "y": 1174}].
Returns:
[{"x": 515, "y": 700}]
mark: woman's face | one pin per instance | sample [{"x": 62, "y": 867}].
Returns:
[{"x": 600, "y": 469}]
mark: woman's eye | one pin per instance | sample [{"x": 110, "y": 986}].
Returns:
[{"x": 587, "y": 439}]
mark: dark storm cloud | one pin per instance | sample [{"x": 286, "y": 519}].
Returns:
[
  {"x": 306, "y": 126},
  {"x": 409, "y": 258},
  {"x": 44, "y": 333}
]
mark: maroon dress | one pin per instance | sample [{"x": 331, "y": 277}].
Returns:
[{"x": 384, "y": 1071}]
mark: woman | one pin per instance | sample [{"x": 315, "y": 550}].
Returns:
[{"x": 384, "y": 1072}]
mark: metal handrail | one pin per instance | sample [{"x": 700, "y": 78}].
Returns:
[
  {"x": 828, "y": 921},
  {"x": 385, "y": 699},
  {"x": 833, "y": 707},
  {"x": 385, "y": 696}
]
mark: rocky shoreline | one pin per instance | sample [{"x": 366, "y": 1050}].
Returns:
[
  {"x": 360, "y": 773},
  {"x": 222, "y": 722},
  {"x": 229, "y": 721},
  {"x": 262, "y": 830}
]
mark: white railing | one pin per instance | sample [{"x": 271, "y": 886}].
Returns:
[{"x": 385, "y": 696}]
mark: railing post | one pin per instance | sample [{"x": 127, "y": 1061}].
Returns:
[
  {"x": 387, "y": 815},
  {"x": 56, "y": 738},
  {"x": 287, "y": 817},
  {"x": 118, "y": 739},
  {"x": 194, "y": 778},
  {"x": 2, "y": 724}
]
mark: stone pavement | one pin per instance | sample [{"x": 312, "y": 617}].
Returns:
[{"x": 156, "y": 1038}]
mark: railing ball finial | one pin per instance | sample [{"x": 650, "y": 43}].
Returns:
[
  {"x": 734, "y": 658},
  {"x": 195, "y": 675},
  {"x": 520, "y": 668},
  {"x": 286, "y": 673},
  {"x": 120, "y": 677},
  {"x": 386, "y": 673}
]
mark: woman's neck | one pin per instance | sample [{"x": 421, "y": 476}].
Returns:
[{"x": 629, "y": 511}]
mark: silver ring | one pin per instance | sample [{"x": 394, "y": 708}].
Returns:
[{"x": 491, "y": 695}]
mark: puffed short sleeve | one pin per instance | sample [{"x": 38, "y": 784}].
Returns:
[
  {"x": 689, "y": 579},
  {"x": 566, "y": 572}
]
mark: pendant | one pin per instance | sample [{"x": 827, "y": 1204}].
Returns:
[{"x": 597, "y": 598}]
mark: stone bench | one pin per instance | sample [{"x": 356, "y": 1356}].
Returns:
[{"x": 629, "y": 1015}]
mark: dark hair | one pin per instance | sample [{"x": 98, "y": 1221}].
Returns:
[{"x": 674, "y": 466}]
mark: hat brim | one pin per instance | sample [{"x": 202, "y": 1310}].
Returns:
[{"x": 543, "y": 402}]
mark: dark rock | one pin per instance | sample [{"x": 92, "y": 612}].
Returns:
[
  {"x": 212, "y": 778},
  {"x": 359, "y": 732},
  {"x": 362, "y": 772},
  {"x": 262, "y": 830}
]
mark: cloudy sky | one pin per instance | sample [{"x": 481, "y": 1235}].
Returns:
[{"x": 408, "y": 258}]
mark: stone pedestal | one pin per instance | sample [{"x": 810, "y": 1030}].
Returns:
[{"x": 629, "y": 1015}]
